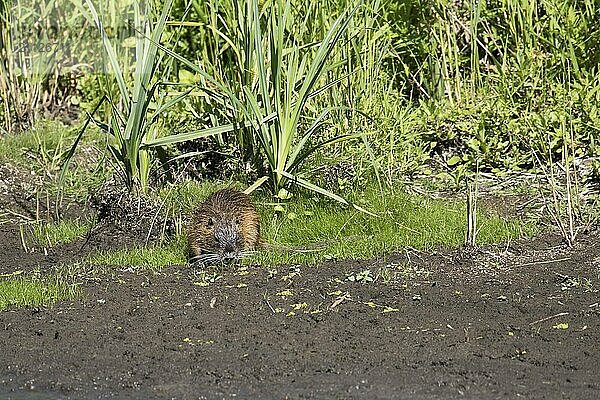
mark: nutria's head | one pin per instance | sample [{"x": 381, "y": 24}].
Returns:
[{"x": 224, "y": 228}]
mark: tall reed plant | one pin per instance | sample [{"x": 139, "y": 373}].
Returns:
[
  {"x": 138, "y": 104},
  {"x": 269, "y": 86}
]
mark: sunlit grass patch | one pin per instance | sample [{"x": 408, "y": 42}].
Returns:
[
  {"x": 40, "y": 151},
  {"x": 43, "y": 142},
  {"x": 22, "y": 291},
  {"x": 182, "y": 198},
  {"x": 403, "y": 221},
  {"x": 55, "y": 233},
  {"x": 140, "y": 257}
]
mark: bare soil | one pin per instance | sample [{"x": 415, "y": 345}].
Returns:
[{"x": 519, "y": 320}]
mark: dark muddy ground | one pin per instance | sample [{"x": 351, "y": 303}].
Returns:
[{"x": 506, "y": 322}]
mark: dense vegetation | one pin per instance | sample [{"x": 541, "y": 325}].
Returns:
[{"x": 383, "y": 86}]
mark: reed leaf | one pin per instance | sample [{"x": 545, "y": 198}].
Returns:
[{"x": 130, "y": 124}]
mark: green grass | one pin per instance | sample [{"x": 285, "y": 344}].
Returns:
[
  {"x": 39, "y": 151},
  {"x": 55, "y": 233},
  {"x": 182, "y": 198},
  {"x": 403, "y": 221},
  {"x": 35, "y": 291},
  {"x": 151, "y": 258},
  {"x": 41, "y": 145}
]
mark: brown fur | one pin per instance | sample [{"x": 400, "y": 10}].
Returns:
[{"x": 225, "y": 226}]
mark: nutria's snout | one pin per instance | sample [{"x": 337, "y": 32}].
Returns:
[
  {"x": 229, "y": 240},
  {"x": 224, "y": 228}
]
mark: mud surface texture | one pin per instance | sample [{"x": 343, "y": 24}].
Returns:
[{"x": 506, "y": 322}]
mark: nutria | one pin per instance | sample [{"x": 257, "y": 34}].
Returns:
[{"x": 225, "y": 227}]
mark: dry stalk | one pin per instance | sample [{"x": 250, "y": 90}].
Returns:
[
  {"x": 564, "y": 208},
  {"x": 471, "y": 234},
  {"x": 472, "y": 194}
]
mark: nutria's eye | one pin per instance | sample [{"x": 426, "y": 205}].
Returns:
[
  {"x": 210, "y": 222},
  {"x": 237, "y": 220}
]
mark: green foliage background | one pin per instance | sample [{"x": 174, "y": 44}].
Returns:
[{"x": 497, "y": 84}]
